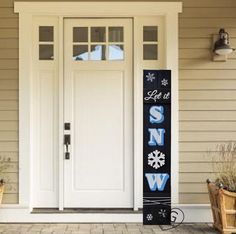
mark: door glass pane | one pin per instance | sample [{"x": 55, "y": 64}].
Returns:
[
  {"x": 80, "y": 34},
  {"x": 116, "y": 52},
  {"x": 116, "y": 34},
  {"x": 80, "y": 52},
  {"x": 150, "y": 33},
  {"x": 98, "y": 52},
  {"x": 98, "y": 34},
  {"x": 46, "y": 52},
  {"x": 45, "y": 33},
  {"x": 150, "y": 52}
]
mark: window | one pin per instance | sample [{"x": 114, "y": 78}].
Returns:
[
  {"x": 46, "y": 38},
  {"x": 98, "y": 43},
  {"x": 150, "y": 43}
]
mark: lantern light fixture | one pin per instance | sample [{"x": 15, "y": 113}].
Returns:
[{"x": 222, "y": 46}]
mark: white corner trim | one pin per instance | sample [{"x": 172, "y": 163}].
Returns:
[
  {"x": 24, "y": 109},
  {"x": 87, "y": 8}
]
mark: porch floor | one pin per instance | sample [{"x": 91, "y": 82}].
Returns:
[{"x": 122, "y": 228}]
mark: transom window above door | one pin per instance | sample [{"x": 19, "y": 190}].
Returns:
[{"x": 98, "y": 43}]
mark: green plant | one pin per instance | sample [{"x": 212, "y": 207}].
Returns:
[{"x": 224, "y": 165}]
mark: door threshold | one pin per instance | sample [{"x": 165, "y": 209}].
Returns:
[{"x": 86, "y": 210}]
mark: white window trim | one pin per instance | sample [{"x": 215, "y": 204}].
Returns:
[{"x": 169, "y": 10}]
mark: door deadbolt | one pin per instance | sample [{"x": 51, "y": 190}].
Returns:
[{"x": 67, "y": 126}]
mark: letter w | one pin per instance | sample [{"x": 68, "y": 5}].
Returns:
[{"x": 157, "y": 181}]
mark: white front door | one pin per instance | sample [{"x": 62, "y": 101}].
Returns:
[{"x": 98, "y": 105}]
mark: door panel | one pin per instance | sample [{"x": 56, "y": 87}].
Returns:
[
  {"x": 98, "y": 104},
  {"x": 98, "y": 99}
]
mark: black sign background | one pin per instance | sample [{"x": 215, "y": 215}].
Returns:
[{"x": 157, "y": 92}]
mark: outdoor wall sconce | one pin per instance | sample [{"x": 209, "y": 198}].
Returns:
[{"x": 221, "y": 47}]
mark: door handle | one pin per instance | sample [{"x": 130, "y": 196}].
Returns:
[{"x": 67, "y": 143}]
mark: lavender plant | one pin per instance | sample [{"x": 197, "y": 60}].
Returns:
[{"x": 224, "y": 165}]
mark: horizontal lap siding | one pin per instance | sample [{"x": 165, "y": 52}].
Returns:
[
  {"x": 207, "y": 93},
  {"x": 9, "y": 100}
]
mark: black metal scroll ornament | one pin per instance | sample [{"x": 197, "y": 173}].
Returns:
[{"x": 156, "y": 147}]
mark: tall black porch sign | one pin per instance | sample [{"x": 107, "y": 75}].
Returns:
[{"x": 156, "y": 146}]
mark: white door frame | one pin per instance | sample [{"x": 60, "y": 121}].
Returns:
[{"x": 136, "y": 10}]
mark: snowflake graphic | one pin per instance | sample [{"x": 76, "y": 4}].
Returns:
[
  {"x": 149, "y": 217},
  {"x": 162, "y": 213},
  {"x": 156, "y": 159},
  {"x": 150, "y": 77},
  {"x": 164, "y": 82}
]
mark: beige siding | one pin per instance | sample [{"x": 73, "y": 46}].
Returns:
[
  {"x": 207, "y": 93},
  {"x": 9, "y": 99}
]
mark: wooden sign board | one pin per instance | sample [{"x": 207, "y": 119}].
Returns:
[{"x": 156, "y": 147}]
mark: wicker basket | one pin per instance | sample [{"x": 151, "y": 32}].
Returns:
[{"x": 223, "y": 206}]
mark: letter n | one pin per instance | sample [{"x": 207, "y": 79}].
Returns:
[{"x": 156, "y": 136}]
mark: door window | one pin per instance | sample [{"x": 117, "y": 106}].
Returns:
[
  {"x": 80, "y": 52},
  {"x": 98, "y": 43},
  {"x": 80, "y": 34}
]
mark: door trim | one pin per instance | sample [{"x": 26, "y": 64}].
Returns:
[{"x": 27, "y": 10}]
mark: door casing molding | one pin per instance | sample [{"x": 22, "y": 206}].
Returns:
[{"x": 136, "y": 10}]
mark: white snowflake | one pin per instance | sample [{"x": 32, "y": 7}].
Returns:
[
  {"x": 156, "y": 159},
  {"x": 150, "y": 77},
  {"x": 162, "y": 213},
  {"x": 164, "y": 82},
  {"x": 149, "y": 217}
]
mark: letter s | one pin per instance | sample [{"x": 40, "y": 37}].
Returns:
[{"x": 156, "y": 114}]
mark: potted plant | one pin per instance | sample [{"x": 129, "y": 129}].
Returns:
[
  {"x": 222, "y": 192},
  {"x": 2, "y": 183},
  {"x": 4, "y": 165}
]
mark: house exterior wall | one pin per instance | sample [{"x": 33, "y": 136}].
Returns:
[{"x": 207, "y": 93}]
